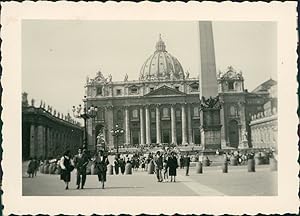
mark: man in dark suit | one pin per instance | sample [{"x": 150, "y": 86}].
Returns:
[
  {"x": 158, "y": 163},
  {"x": 187, "y": 161},
  {"x": 81, "y": 161}
]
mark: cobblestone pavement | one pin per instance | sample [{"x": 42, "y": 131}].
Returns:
[{"x": 212, "y": 182}]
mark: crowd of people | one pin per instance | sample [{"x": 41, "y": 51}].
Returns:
[
  {"x": 242, "y": 156},
  {"x": 164, "y": 164}
]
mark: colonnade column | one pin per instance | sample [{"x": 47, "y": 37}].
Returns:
[
  {"x": 158, "y": 135},
  {"x": 32, "y": 141},
  {"x": 142, "y": 126},
  {"x": 40, "y": 141},
  {"x": 109, "y": 118},
  {"x": 127, "y": 128},
  {"x": 189, "y": 124},
  {"x": 148, "y": 138},
  {"x": 173, "y": 125},
  {"x": 183, "y": 124}
]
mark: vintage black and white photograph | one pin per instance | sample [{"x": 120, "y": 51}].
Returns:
[
  {"x": 149, "y": 108},
  {"x": 127, "y": 111}
]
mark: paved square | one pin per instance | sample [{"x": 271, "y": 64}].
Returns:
[{"x": 212, "y": 182}]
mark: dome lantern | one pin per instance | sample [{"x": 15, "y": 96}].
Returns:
[{"x": 160, "y": 45}]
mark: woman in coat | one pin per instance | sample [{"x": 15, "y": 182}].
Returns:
[
  {"x": 101, "y": 163},
  {"x": 172, "y": 165},
  {"x": 31, "y": 168},
  {"x": 66, "y": 168}
]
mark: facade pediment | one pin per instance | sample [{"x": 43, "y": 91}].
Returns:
[{"x": 165, "y": 90}]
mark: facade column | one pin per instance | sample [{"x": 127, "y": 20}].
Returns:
[
  {"x": 142, "y": 126},
  {"x": 158, "y": 133},
  {"x": 32, "y": 141},
  {"x": 40, "y": 141},
  {"x": 189, "y": 124},
  {"x": 49, "y": 142},
  {"x": 127, "y": 127},
  {"x": 109, "y": 119},
  {"x": 46, "y": 151},
  {"x": 148, "y": 138},
  {"x": 183, "y": 124},
  {"x": 173, "y": 125}
]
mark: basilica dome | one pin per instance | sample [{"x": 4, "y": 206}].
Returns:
[{"x": 161, "y": 65}]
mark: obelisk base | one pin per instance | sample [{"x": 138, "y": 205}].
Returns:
[{"x": 210, "y": 123}]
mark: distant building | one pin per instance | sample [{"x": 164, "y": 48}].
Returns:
[
  {"x": 47, "y": 134},
  {"x": 264, "y": 124},
  {"x": 162, "y": 107}
]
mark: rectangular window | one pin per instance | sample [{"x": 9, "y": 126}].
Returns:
[
  {"x": 178, "y": 113},
  {"x": 135, "y": 114},
  {"x": 151, "y": 89},
  {"x": 153, "y": 114},
  {"x": 196, "y": 112},
  {"x": 165, "y": 112},
  {"x": 119, "y": 91},
  {"x": 194, "y": 88}
]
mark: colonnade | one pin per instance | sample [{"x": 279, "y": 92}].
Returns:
[
  {"x": 51, "y": 142},
  {"x": 145, "y": 121}
]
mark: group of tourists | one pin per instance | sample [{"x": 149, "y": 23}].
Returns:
[
  {"x": 166, "y": 165},
  {"x": 80, "y": 162},
  {"x": 33, "y": 167}
]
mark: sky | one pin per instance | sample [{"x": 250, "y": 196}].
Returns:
[{"x": 58, "y": 55}]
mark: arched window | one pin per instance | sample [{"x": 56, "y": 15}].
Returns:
[
  {"x": 99, "y": 90},
  {"x": 230, "y": 85},
  {"x": 134, "y": 90},
  {"x": 119, "y": 115},
  {"x": 100, "y": 115}
]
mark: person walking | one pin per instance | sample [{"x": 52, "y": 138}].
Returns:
[
  {"x": 81, "y": 161},
  {"x": 158, "y": 163},
  {"x": 122, "y": 164},
  {"x": 165, "y": 167},
  {"x": 143, "y": 164},
  {"x": 172, "y": 165},
  {"x": 101, "y": 163},
  {"x": 36, "y": 165},
  {"x": 66, "y": 168},
  {"x": 187, "y": 162},
  {"x": 181, "y": 162},
  {"x": 31, "y": 168},
  {"x": 117, "y": 164}
]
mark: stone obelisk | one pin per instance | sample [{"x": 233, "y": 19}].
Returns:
[
  {"x": 210, "y": 106},
  {"x": 208, "y": 72}
]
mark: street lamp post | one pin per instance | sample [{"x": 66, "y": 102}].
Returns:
[
  {"x": 116, "y": 132},
  {"x": 100, "y": 142},
  {"x": 85, "y": 113}
]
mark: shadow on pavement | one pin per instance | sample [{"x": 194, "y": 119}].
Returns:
[{"x": 94, "y": 188}]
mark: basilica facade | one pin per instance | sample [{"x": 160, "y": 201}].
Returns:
[{"x": 163, "y": 106}]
